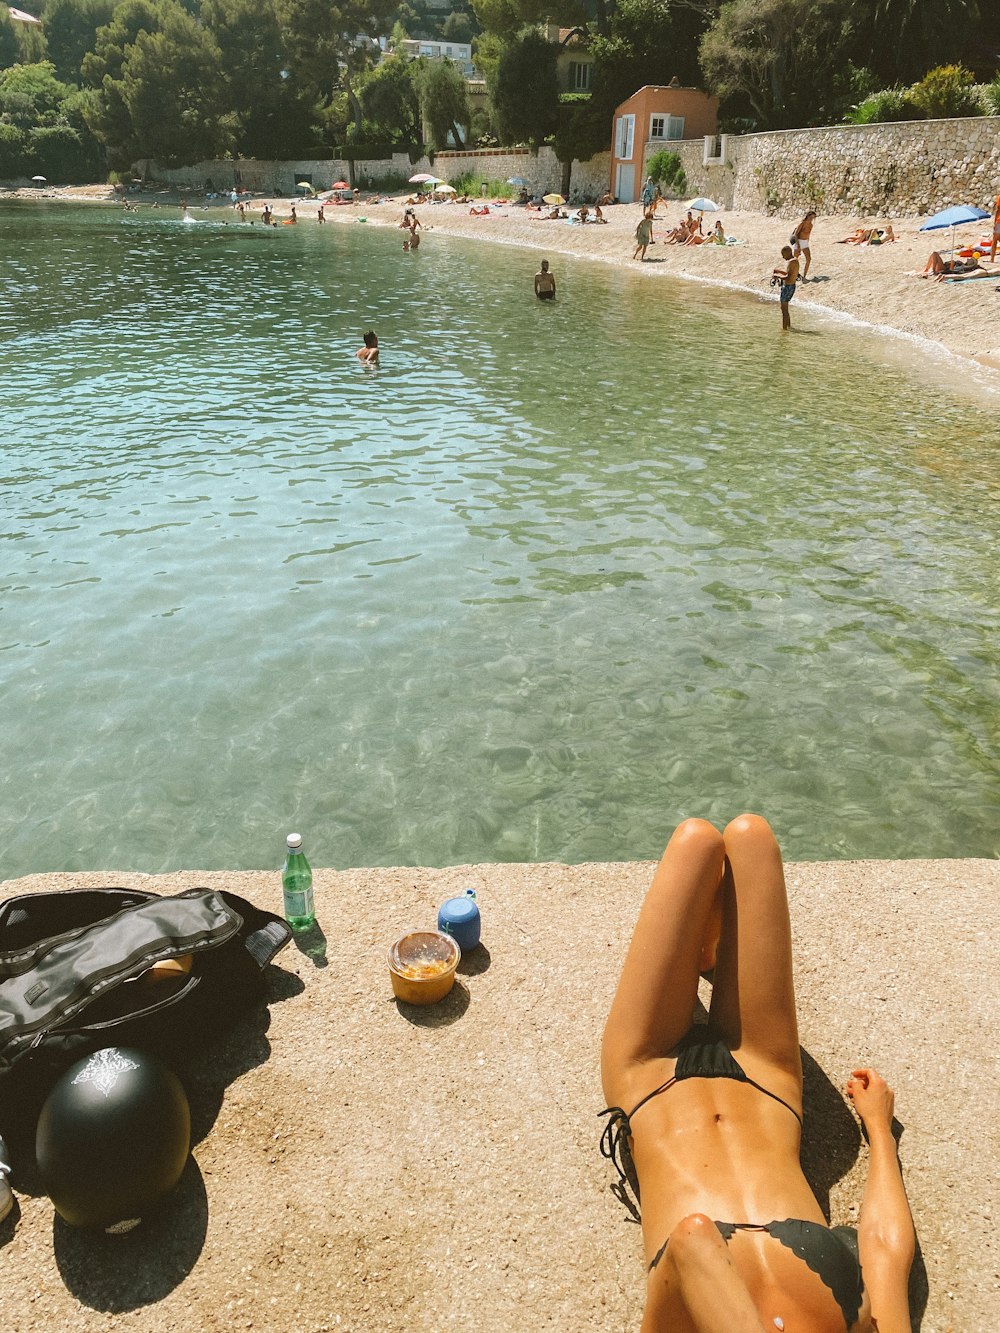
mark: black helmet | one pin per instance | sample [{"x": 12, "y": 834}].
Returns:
[{"x": 113, "y": 1137}]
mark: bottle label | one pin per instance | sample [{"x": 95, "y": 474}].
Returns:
[{"x": 298, "y": 903}]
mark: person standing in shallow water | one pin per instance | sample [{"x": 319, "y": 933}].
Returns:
[
  {"x": 788, "y": 276},
  {"x": 545, "y": 283},
  {"x": 643, "y": 236}
]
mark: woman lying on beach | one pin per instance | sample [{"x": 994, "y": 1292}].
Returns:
[
  {"x": 707, "y": 1120},
  {"x": 869, "y": 236},
  {"x": 956, "y": 270}
]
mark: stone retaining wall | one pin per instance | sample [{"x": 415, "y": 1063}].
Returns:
[
  {"x": 543, "y": 170},
  {"x": 913, "y": 167}
]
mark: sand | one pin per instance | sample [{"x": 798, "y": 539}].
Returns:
[
  {"x": 361, "y": 1165},
  {"x": 867, "y": 284}
]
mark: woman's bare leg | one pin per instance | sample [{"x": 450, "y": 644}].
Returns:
[
  {"x": 697, "y": 1265},
  {"x": 753, "y": 996},
  {"x": 654, "y": 1003}
]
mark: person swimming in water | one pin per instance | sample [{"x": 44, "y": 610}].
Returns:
[
  {"x": 714, "y": 1112},
  {"x": 369, "y": 353}
]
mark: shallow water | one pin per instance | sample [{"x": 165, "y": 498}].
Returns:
[{"x": 551, "y": 579}]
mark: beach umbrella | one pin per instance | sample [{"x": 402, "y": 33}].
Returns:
[
  {"x": 701, "y": 205},
  {"x": 305, "y": 185},
  {"x": 445, "y": 189},
  {"x": 41, "y": 179},
  {"x": 340, "y": 185},
  {"x": 421, "y": 178},
  {"x": 553, "y": 199},
  {"x": 959, "y": 215}
]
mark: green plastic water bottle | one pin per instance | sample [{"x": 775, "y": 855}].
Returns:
[{"x": 297, "y": 885}]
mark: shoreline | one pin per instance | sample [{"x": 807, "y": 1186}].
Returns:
[{"x": 870, "y": 286}]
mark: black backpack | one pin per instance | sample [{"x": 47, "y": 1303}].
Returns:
[{"x": 71, "y": 966}]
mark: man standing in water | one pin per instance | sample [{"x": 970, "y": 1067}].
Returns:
[
  {"x": 368, "y": 354},
  {"x": 788, "y": 277},
  {"x": 545, "y": 283}
]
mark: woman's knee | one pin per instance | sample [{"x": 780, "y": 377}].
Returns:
[
  {"x": 693, "y": 1232},
  {"x": 697, "y": 835},
  {"x": 749, "y": 830}
]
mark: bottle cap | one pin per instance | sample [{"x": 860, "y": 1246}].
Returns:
[{"x": 294, "y": 841}]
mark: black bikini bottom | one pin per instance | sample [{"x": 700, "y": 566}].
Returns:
[{"x": 831, "y": 1253}]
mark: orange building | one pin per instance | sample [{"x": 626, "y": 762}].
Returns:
[{"x": 649, "y": 120}]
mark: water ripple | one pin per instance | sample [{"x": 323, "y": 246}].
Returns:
[{"x": 547, "y": 581}]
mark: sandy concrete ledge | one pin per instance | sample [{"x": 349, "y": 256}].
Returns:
[{"x": 359, "y": 1167}]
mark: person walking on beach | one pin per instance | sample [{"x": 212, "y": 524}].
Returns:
[
  {"x": 788, "y": 276},
  {"x": 648, "y": 193},
  {"x": 799, "y": 240},
  {"x": 643, "y": 236},
  {"x": 545, "y": 283},
  {"x": 996, "y": 230}
]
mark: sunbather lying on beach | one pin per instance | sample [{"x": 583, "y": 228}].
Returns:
[
  {"x": 860, "y": 236},
  {"x": 707, "y": 1119},
  {"x": 938, "y": 269}
]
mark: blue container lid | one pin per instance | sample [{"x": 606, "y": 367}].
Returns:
[
  {"x": 459, "y": 910},
  {"x": 460, "y": 917}
]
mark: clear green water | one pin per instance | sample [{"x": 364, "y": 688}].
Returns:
[{"x": 550, "y": 580}]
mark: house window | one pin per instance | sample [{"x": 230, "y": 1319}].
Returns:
[
  {"x": 624, "y": 137},
  {"x": 579, "y": 76},
  {"x": 666, "y": 127}
]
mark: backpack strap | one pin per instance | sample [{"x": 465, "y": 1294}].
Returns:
[{"x": 68, "y": 971}]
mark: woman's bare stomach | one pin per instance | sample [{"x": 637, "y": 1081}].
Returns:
[{"x": 718, "y": 1147}]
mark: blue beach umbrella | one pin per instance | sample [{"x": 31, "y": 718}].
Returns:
[{"x": 959, "y": 215}]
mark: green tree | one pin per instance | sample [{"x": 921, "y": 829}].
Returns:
[
  {"x": 946, "y": 91},
  {"x": 330, "y": 45},
  {"x": 10, "y": 52},
  {"x": 41, "y": 126},
  {"x": 900, "y": 39},
  {"x": 173, "y": 89},
  {"x": 107, "y": 114},
  {"x": 391, "y": 105},
  {"x": 444, "y": 102},
  {"x": 776, "y": 58},
  {"x": 524, "y": 90},
  {"x": 581, "y": 132},
  {"x": 506, "y": 18},
  {"x": 457, "y": 27},
  {"x": 274, "y": 118},
  {"x": 71, "y": 30}
]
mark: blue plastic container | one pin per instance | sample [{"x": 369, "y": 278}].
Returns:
[{"x": 459, "y": 917}]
